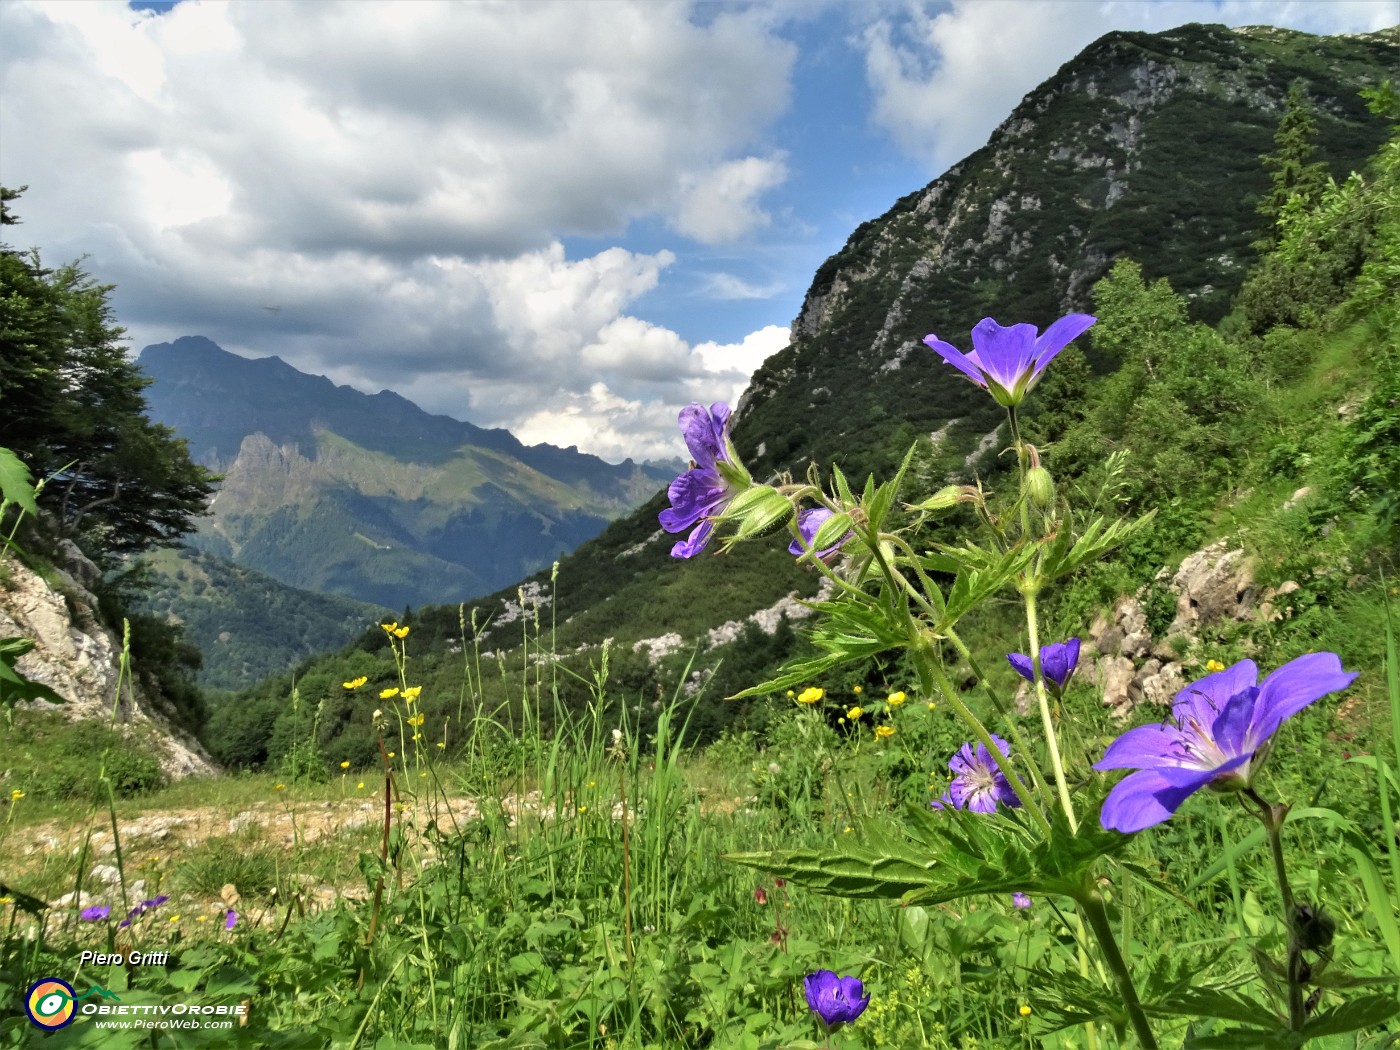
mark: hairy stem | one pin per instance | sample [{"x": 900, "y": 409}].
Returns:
[
  {"x": 1272, "y": 817},
  {"x": 1047, "y": 722},
  {"x": 1091, "y": 905}
]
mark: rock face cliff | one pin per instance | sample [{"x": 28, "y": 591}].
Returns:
[
  {"x": 80, "y": 658},
  {"x": 1140, "y": 132}
]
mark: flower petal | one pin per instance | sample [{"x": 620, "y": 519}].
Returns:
[
  {"x": 955, "y": 357},
  {"x": 1141, "y": 800},
  {"x": 695, "y": 542},
  {"x": 1232, "y": 724},
  {"x": 1004, "y": 354},
  {"x": 694, "y": 495},
  {"x": 1206, "y": 697},
  {"x": 1144, "y": 747},
  {"x": 1293, "y": 687},
  {"x": 703, "y": 431},
  {"x": 1021, "y": 664},
  {"x": 1058, "y": 336}
]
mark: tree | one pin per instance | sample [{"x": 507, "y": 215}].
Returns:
[
  {"x": 1292, "y": 171},
  {"x": 71, "y": 405}
]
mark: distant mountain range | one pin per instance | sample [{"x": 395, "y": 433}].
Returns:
[{"x": 329, "y": 489}]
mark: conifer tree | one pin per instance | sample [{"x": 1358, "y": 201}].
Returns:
[{"x": 1292, "y": 170}]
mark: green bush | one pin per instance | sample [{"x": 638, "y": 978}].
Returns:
[{"x": 54, "y": 760}]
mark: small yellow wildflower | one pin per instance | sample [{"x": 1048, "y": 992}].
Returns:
[
  {"x": 896, "y": 698},
  {"x": 1214, "y": 665},
  {"x": 345, "y": 765},
  {"x": 811, "y": 695},
  {"x": 391, "y": 754},
  {"x": 354, "y": 683},
  {"x": 16, "y": 795},
  {"x": 417, "y": 736},
  {"x": 855, "y": 712},
  {"x": 884, "y": 732},
  {"x": 411, "y": 693},
  {"x": 858, "y": 690},
  {"x": 423, "y": 774},
  {"x": 845, "y": 831},
  {"x": 1025, "y": 1010},
  {"x": 201, "y": 918},
  {"x": 279, "y": 787},
  {"x": 593, "y": 783},
  {"x": 390, "y": 627},
  {"x": 401, "y": 632},
  {"x": 583, "y": 809},
  {"x": 175, "y": 918},
  {"x": 791, "y": 693},
  {"x": 360, "y": 786},
  {"x": 416, "y": 720},
  {"x": 442, "y": 744},
  {"x": 384, "y": 694},
  {"x": 931, "y": 705}
]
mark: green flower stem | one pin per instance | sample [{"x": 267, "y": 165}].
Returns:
[
  {"x": 1272, "y": 817},
  {"x": 1017, "y": 738},
  {"x": 1051, "y": 743},
  {"x": 1091, "y": 906},
  {"x": 931, "y": 674}
]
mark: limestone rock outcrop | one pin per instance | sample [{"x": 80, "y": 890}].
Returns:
[{"x": 79, "y": 658}]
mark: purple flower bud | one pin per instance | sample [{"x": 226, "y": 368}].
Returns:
[
  {"x": 1020, "y": 900},
  {"x": 1057, "y": 662},
  {"x": 96, "y": 913},
  {"x": 230, "y": 918}
]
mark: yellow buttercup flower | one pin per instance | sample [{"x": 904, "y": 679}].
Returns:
[
  {"x": 791, "y": 693},
  {"x": 392, "y": 753},
  {"x": 411, "y": 693},
  {"x": 16, "y": 795},
  {"x": 855, "y": 713},
  {"x": 811, "y": 695},
  {"x": 1214, "y": 665},
  {"x": 279, "y": 787},
  {"x": 416, "y": 720},
  {"x": 384, "y": 694},
  {"x": 400, "y": 632},
  {"x": 884, "y": 731},
  {"x": 354, "y": 683},
  {"x": 360, "y": 786},
  {"x": 345, "y": 765},
  {"x": 442, "y": 744},
  {"x": 1025, "y": 1010},
  {"x": 390, "y": 627},
  {"x": 895, "y": 699},
  {"x": 858, "y": 690}
]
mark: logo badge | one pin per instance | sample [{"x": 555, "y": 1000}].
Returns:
[{"x": 49, "y": 1003}]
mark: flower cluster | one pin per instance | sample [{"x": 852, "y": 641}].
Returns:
[
  {"x": 1057, "y": 663},
  {"x": 701, "y": 494}
]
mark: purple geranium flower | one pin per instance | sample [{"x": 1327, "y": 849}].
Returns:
[
  {"x": 1007, "y": 362},
  {"x": 1020, "y": 900},
  {"x": 809, "y": 523},
  {"x": 1057, "y": 663},
  {"x": 142, "y": 908},
  {"x": 703, "y": 491},
  {"x": 96, "y": 913},
  {"x": 1222, "y": 723},
  {"x": 979, "y": 784},
  {"x": 836, "y": 1000},
  {"x": 230, "y": 918}
]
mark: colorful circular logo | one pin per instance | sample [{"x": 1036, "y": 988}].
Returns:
[{"x": 49, "y": 1003}]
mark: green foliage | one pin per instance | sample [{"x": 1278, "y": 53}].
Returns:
[
  {"x": 1292, "y": 172},
  {"x": 52, "y": 759},
  {"x": 76, "y": 413}
]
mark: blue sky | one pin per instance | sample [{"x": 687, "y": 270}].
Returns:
[{"x": 566, "y": 218}]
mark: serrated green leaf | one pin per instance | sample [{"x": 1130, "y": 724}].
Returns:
[
  {"x": 941, "y": 856},
  {"x": 1352, "y": 1016},
  {"x": 1061, "y": 558},
  {"x": 1213, "y": 1002}
]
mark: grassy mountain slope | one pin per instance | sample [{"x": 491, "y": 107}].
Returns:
[
  {"x": 1223, "y": 423},
  {"x": 329, "y": 489},
  {"x": 246, "y": 625}
]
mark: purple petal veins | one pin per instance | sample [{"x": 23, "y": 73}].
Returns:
[
  {"x": 1008, "y": 361},
  {"x": 1222, "y": 720}
]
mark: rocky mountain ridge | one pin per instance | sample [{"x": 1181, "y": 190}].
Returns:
[{"x": 329, "y": 489}]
